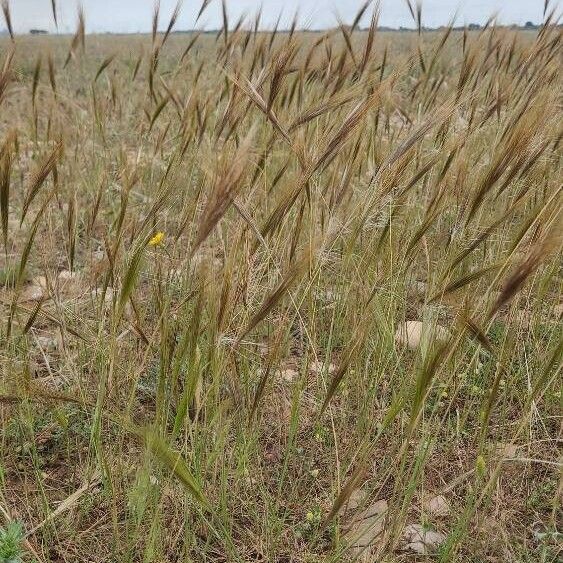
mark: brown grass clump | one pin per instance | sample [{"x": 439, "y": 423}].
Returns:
[{"x": 281, "y": 296}]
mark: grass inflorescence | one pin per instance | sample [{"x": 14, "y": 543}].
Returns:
[{"x": 259, "y": 289}]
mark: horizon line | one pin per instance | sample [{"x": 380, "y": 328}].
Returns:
[{"x": 472, "y": 26}]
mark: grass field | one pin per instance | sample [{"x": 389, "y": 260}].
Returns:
[{"x": 281, "y": 297}]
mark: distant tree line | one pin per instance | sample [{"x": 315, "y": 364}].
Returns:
[{"x": 471, "y": 27}]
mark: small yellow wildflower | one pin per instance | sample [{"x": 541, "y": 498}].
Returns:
[{"x": 157, "y": 239}]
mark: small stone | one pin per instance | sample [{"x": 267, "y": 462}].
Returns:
[
  {"x": 438, "y": 506},
  {"x": 32, "y": 293},
  {"x": 410, "y": 334},
  {"x": 356, "y": 498},
  {"x": 419, "y": 540},
  {"x": 506, "y": 451},
  {"x": 366, "y": 527},
  {"x": 39, "y": 281},
  {"x": 67, "y": 283},
  {"x": 66, "y": 275}
]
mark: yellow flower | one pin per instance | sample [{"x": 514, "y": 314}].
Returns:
[{"x": 157, "y": 239}]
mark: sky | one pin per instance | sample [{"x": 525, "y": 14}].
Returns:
[{"x": 130, "y": 16}]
